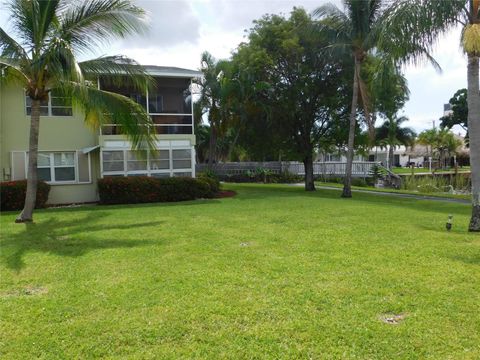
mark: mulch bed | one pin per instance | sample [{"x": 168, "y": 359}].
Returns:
[{"x": 225, "y": 194}]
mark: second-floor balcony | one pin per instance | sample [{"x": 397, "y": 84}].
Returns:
[
  {"x": 169, "y": 105},
  {"x": 171, "y": 124}
]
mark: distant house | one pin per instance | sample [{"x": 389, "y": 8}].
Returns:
[
  {"x": 72, "y": 157},
  {"x": 419, "y": 155},
  {"x": 402, "y": 156}
]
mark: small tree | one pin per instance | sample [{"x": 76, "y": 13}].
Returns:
[
  {"x": 391, "y": 135},
  {"x": 214, "y": 89}
]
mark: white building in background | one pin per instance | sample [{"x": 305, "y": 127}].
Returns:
[{"x": 402, "y": 156}]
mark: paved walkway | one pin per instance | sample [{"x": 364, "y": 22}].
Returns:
[{"x": 399, "y": 195}]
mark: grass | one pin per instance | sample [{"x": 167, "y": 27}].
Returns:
[
  {"x": 408, "y": 171},
  {"x": 272, "y": 273},
  {"x": 395, "y": 191}
]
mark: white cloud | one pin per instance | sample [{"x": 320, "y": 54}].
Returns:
[
  {"x": 170, "y": 22},
  {"x": 431, "y": 89}
]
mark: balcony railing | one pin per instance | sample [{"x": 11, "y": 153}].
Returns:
[{"x": 171, "y": 124}]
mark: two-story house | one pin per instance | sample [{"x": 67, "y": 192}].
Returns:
[{"x": 72, "y": 157}]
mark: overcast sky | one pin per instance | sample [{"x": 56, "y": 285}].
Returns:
[{"x": 180, "y": 30}]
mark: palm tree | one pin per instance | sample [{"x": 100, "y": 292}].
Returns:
[
  {"x": 355, "y": 32},
  {"x": 51, "y": 34},
  {"x": 428, "y": 138},
  {"x": 213, "y": 86},
  {"x": 419, "y": 23},
  {"x": 391, "y": 135},
  {"x": 448, "y": 146}
]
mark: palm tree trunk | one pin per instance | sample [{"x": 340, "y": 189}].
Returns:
[
  {"x": 473, "y": 99},
  {"x": 390, "y": 157},
  {"x": 31, "y": 194},
  {"x": 347, "y": 184},
  {"x": 212, "y": 147},
  {"x": 309, "y": 180}
]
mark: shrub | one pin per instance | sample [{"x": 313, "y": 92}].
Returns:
[
  {"x": 211, "y": 179},
  {"x": 143, "y": 189},
  {"x": 262, "y": 176},
  {"x": 359, "y": 182},
  {"x": 12, "y": 194}
]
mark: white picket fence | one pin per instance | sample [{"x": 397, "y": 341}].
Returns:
[{"x": 326, "y": 169}]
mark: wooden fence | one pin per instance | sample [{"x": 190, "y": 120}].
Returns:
[{"x": 326, "y": 169}]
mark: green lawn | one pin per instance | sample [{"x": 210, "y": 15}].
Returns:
[
  {"x": 403, "y": 170},
  {"x": 272, "y": 273}
]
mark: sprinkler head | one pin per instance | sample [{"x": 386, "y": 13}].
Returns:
[{"x": 449, "y": 223}]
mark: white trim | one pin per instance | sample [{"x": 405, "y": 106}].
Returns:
[
  {"x": 101, "y": 163},
  {"x": 89, "y": 168},
  {"x": 89, "y": 149},
  {"x": 12, "y": 172},
  {"x": 193, "y": 161},
  {"x": 147, "y": 105},
  {"x": 52, "y": 167},
  {"x": 149, "y": 172},
  {"x": 170, "y": 114},
  {"x": 193, "y": 120},
  {"x": 77, "y": 178},
  {"x": 49, "y": 106}
]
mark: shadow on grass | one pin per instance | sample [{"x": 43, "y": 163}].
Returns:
[
  {"x": 260, "y": 191},
  {"x": 467, "y": 259},
  {"x": 72, "y": 237}
]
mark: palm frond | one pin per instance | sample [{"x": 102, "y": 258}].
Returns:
[
  {"x": 95, "y": 22},
  {"x": 410, "y": 28},
  {"x": 9, "y": 48},
  {"x": 11, "y": 70},
  {"x": 33, "y": 21},
  {"x": 104, "y": 107},
  {"x": 115, "y": 70}
]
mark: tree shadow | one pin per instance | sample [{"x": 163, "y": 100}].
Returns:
[
  {"x": 260, "y": 191},
  {"x": 72, "y": 237},
  {"x": 473, "y": 259}
]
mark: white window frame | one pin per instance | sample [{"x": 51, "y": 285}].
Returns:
[
  {"x": 49, "y": 107},
  {"x": 52, "y": 167},
  {"x": 149, "y": 172}
]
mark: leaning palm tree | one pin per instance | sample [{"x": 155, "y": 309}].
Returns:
[
  {"x": 41, "y": 54},
  {"x": 391, "y": 134},
  {"x": 420, "y": 23},
  {"x": 361, "y": 29}
]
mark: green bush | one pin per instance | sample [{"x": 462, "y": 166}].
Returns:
[
  {"x": 12, "y": 194},
  {"x": 438, "y": 183},
  {"x": 262, "y": 176},
  {"x": 143, "y": 189},
  {"x": 359, "y": 182},
  {"x": 211, "y": 179}
]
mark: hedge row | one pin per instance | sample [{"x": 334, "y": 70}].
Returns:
[
  {"x": 258, "y": 178},
  {"x": 12, "y": 195},
  {"x": 143, "y": 189}
]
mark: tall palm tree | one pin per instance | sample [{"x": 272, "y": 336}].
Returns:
[
  {"x": 391, "y": 134},
  {"x": 420, "y": 23},
  {"x": 359, "y": 30},
  {"x": 355, "y": 34},
  {"x": 51, "y": 34}
]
